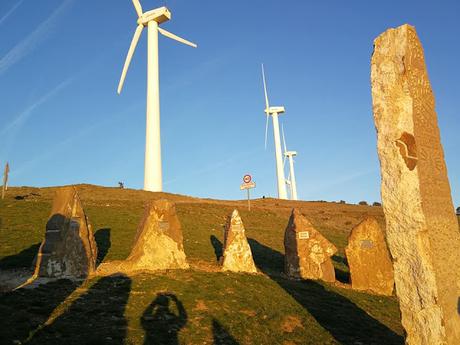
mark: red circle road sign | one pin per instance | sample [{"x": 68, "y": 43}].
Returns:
[{"x": 247, "y": 178}]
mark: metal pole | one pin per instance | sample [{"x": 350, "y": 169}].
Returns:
[{"x": 249, "y": 201}]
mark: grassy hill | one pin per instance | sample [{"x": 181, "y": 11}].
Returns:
[{"x": 197, "y": 306}]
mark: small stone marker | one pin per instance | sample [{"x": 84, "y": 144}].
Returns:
[
  {"x": 307, "y": 252},
  {"x": 237, "y": 255},
  {"x": 158, "y": 244},
  {"x": 370, "y": 264},
  {"x": 69, "y": 249},
  {"x": 422, "y": 230}
]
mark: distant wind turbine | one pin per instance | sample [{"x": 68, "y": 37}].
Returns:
[
  {"x": 274, "y": 112},
  {"x": 151, "y": 19},
  {"x": 291, "y": 178}
]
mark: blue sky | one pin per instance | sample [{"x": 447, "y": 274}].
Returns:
[{"x": 62, "y": 122}]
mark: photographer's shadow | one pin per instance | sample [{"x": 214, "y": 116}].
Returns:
[{"x": 161, "y": 323}]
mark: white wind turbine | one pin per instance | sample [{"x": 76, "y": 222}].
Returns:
[
  {"x": 151, "y": 20},
  {"x": 274, "y": 112},
  {"x": 290, "y": 181}
]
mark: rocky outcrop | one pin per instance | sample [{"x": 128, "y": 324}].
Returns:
[
  {"x": 69, "y": 249},
  {"x": 307, "y": 252},
  {"x": 367, "y": 254},
  {"x": 237, "y": 255},
  {"x": 422, "y": 231}
]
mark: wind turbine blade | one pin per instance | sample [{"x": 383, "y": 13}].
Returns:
[
  {"x": 265, "y": 89},
  {"x": 132, "y": 48},
  {"x": 176, "y": 38},
  {"x": 284, "y": 139},
  {"x": 138, "y": 7},
  {"x": 266, "y": 131}
]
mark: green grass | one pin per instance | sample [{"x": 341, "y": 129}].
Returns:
[{"x": 197, "y": 306}]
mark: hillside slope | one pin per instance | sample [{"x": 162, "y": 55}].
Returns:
[{"x": 197, "y": 306}]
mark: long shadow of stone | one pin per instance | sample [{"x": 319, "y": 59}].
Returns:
[
  {"x": 23, "y": 311},
  {"x": 220, "y": 335},
  {"x": 218, "y": 247},
  {"x": 102, "y": 237},
  {"x": 161, "y": 322},
  {"x": 23, "y": 259},
  {"x": 343, "y": 319},
  {"x": 96, "y": 317}
]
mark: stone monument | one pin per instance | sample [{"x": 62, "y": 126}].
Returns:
[
  {"x": 69, "y": 249},
  {"x": 370, "y": 264},
  {"x": 237, "y": 255},
  {"x": 307, "y": 252},
  {"x": 421, "y": 227},
  {"x": 158, "y": 244}
]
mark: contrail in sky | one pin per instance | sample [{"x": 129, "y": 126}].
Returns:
[
  {"x": 2, "y": 19},
  {"x": 28, "y": 44},
  {"x": 25, "y": 114}
]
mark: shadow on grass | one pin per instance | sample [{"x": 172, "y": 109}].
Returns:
[
  {"x": 343, "y": 319},
  {"x": 218, "y": 247},
  {"x": 220, "y": 335},
  {"x": 96, "y": 317},
  {"x": 341, "y": 275},
  {"x": 23, "y": 259},
  {"x": 160, "y": 321},
  {"x": 23, "y": 311},
  {"x": 102, "y": 237}
]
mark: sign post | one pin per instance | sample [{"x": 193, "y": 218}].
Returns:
[
  {"x": 5, "y": 180},
  {"x": 248, "y": 185}
]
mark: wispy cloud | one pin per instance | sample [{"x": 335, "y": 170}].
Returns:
[
  {"x": 23, "y": 116},
  {"x": 28, "y": 44},
  {"x": 7, "y": 14},
  {"x": 63, "y": 145}
]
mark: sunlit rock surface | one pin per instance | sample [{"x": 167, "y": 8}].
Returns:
[
  {"x": 421, "y": 227},
  {"x": 307, "y": 252}
]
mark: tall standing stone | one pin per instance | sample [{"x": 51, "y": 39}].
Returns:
[
  {"x": 158, "y": 244},
  {"x": 237, "y": 255},
  {"x": 422, "y": 231},
  {"x": 307, "y": 252},
  {"x": 367, "y": 254},
  {"x": 69, "y": 249}
]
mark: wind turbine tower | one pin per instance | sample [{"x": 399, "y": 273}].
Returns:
[
  {"x": 151, "y": 20},
  {"x": 291, "y": 178},
  {"x": 274, "y": 112}
]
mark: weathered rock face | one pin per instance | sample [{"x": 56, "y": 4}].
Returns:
[
  {"x": 159, "y": 243},
  {"x": 422, "y": 231},
  {"x": 69, "y": 249},
  {"x": 307, "y": 252},
  {"x": 370, "y": 264},
  {"x": 237, "y": 255}
]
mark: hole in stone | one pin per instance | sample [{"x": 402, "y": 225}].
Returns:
[{"x": 408, "y": 150}]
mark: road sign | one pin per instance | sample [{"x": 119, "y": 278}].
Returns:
[
  {"x": 248, "y": 185},
  {"x": 247, "y": 178}
]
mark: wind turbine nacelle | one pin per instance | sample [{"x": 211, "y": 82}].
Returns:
[
  {"x": 273, "y": 110},
  {"x": 290, "y": 153},
  {"x": 159, "y": 15}
]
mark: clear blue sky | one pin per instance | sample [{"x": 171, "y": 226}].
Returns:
[{"x": 61, "y": 121}]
